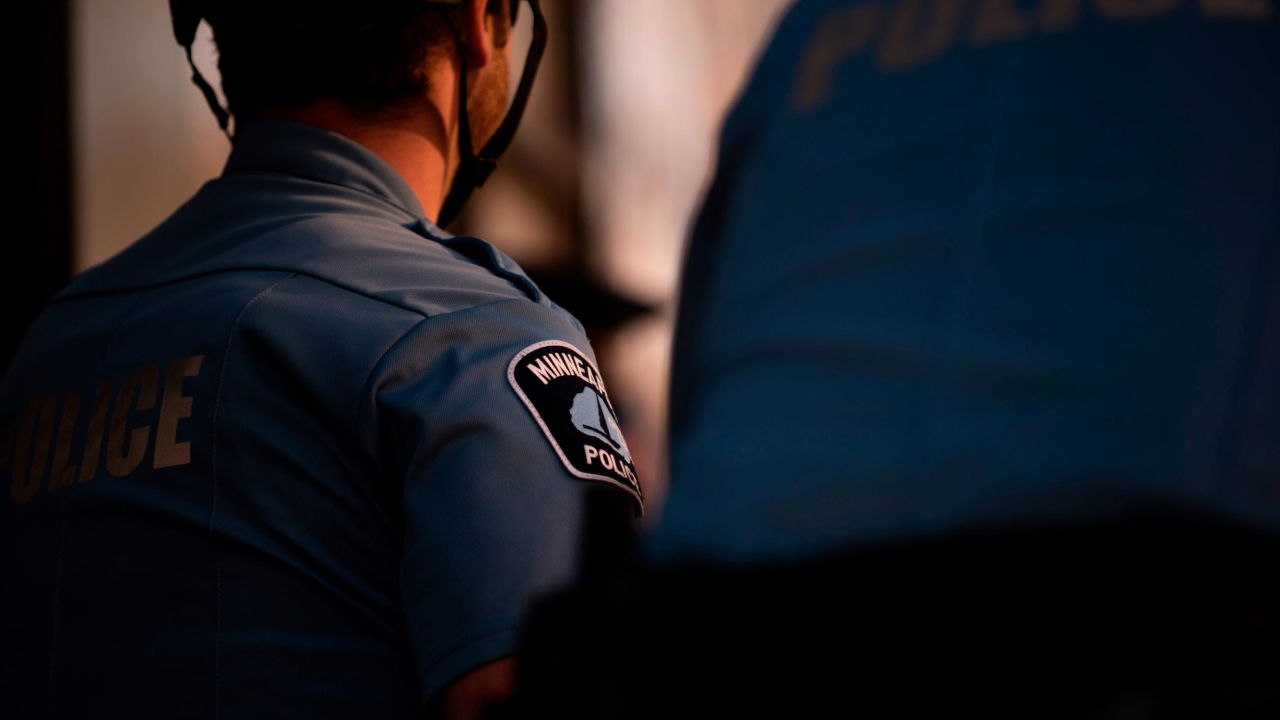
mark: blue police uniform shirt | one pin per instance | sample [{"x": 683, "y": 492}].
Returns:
[
  {"x": 989, "y": 263},
  {"x": 275, "y": 459}
]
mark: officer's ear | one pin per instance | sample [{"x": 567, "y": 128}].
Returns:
[{"x": 485, "y": 28}]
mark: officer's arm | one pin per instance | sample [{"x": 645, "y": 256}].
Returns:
[
  {"x": 494, "y": 424},
  {"x": 467, "y": 697}
]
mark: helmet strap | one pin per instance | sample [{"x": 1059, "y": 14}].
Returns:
[{"x": 474, "y": 169}]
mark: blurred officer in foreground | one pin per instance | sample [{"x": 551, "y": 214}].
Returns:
[
  {"x": 298, "y": 452},
  {"x": 976, "y": 402}
]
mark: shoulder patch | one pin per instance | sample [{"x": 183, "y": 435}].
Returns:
[{"x": 565, "y": 393}]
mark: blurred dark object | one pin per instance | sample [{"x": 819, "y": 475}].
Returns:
[
  {"x": 1155, "y": 617},
  {"x": 37, "y": 259}
]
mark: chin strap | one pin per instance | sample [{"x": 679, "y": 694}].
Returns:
[{"x": 474, "y": 168}]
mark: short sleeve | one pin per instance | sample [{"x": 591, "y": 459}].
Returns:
[{"x": 492, "y": 504}]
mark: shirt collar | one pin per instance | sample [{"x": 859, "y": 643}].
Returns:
[{"x": 296, "y": 148}]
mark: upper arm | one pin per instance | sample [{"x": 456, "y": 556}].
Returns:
[
  {"x": 492, "y": 509},
  {"x": 468, "y": 697}
]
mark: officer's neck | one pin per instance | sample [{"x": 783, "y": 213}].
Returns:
[{"x": 411, "y": 139}]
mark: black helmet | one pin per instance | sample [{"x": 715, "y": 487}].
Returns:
[{"x": 339, "y": 16}]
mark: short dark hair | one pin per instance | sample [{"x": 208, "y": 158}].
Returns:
[{"x": 290, "y": 53}]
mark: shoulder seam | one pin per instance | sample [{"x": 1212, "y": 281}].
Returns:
[
  {"x": 213, "y": 504},
  {"x": 399, "y": 340}
]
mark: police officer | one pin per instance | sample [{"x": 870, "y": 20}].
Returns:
[{"x": 299, "y": 452}]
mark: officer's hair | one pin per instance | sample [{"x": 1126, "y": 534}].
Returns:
[{"x": 290, "y": 54}]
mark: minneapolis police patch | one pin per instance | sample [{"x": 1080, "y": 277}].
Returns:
[{"x": 566, "y": 395}]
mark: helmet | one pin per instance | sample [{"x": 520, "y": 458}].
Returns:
[{"x": 350, "y": 16}]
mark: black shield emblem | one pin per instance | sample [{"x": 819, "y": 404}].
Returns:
[{"x": 566, "y": 395}]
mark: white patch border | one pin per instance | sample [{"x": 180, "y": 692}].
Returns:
[{"x": 533, "y": 410}]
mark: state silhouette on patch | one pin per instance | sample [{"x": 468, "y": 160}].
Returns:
[{"x": 566, "y": 395}]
